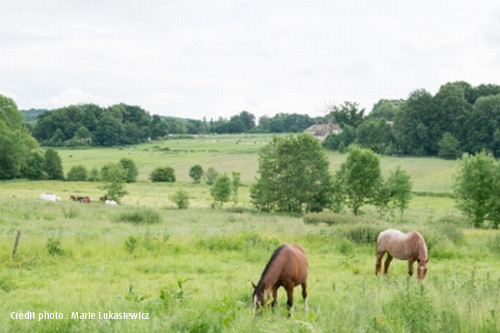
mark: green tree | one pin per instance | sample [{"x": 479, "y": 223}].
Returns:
[
  {"x": 359, "y": 175},
  {"x": 475, "y": 187},
  {"x": 235, "y": 184},
  {"x": 129, "y": 165},
  {"x": 53, "y": 165},
  {"x": 347, "y": 113},
  {"x": 294, "y": 175},
  {"x": 449, "y": 147},
  {"x": 221, "y": 190},
  {"x": 211, "y": 176},
  {"x": 180, "y": 198},
  {"x": 35, "y": 166},
  {"x": 163, "y": 174},
  {"x": 114, "y": 181},
  {"x": 399, "y": 184},
  {"x": 77, "y": 173},
  {"x": 93, "y": 175},
  {"x": 196, "y": 172},
  {"x": 16, "y": 144}
]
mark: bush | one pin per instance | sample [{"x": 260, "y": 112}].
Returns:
[
  {"x": 211, "y": 176},
  {"x": 78, "y": 173},
  {"x": 143, "y": 216},
  {"x": 163, "y": 174},
  {"x": 196, "y": 172},
  {"x": 181, "y": 198},
  {"x": 54, "y": 247},
  {"x": 362, "y": 233}
]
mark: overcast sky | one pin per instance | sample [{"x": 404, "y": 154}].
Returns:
[{"x": 196, "y": 59}]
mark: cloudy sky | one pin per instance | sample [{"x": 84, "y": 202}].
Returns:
[{"x": 215, "y": 58}]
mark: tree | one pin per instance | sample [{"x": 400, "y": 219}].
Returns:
[
  {"x": 129, "y": 165},
  {"x": 211, "y": 176},
  {"x": 235, "y": 184},
  {"x": 196, "y": 172},
  {"x": 77, "y": 173},
  {"x": 475, "y": 187},
  {"x": 181, "y": 198},
  {"x": 294, "y": 175},
  {"x": 163, "y": 174},
  {"x": 399, "y": 185},
  {"x": 53, "y": 165},
  {"x": 449, "y": 147},
  {"x": 16, "y": 144},
  {"x": 359, "y": 176},
  {"x": 221, "y": 190},
  {"x": 114, "y": 181},
  {"x": 35, "y": 166},
  {"x": 347, "y": 114}
]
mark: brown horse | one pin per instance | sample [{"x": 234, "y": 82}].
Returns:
[
  {"x": 80, "y": 199},
  {"x": 410, "y": 246},
  {"x": 287, "y": 267}
]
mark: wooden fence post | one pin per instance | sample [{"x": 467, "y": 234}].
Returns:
[{"x": 16, "y": 243}]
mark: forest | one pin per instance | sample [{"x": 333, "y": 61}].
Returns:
[{"x": 458, "y": 118}]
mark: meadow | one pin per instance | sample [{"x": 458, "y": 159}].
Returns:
[{"x": 79, "y": 266}]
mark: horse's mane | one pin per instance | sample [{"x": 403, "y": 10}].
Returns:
[
  {"x": 268, "y": 265},
  {"x": 419, "y": 239}
]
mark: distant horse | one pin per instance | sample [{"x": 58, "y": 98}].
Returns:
[
  {"x": 287, "y": 267},
  {"x": 110, "y": 203},
  {"x": 49, "y": 197},
  {"x": 410, "y": 246},
  {"x": 80, "y": 199}
]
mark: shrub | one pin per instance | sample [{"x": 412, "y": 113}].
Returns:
[
  {"x": 143, "y": 216},
  {"x": 163, "y": 174},
  {"x": 196, "y": 172},
  {"x": 211, "y": 176},
  {"x": 362, "y": 233},
  {"x": 130, "y": 169},
  {"x": 54, "y": 247},
  {"x": 181, "y": 198},
  {"x": 78, "y": 173}
]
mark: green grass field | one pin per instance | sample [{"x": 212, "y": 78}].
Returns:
[{"x": 191, "y": 270}]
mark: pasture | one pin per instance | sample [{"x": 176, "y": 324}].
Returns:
[{"x": 79, "y": 267}]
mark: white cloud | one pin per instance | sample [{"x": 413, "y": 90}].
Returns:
[{"x": 210, "y": 59}]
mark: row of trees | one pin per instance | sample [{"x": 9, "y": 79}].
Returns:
[
  {"x": 89, "y": 124},
  {"x": 458, "y": 118},
  {"x": 294, "y": 177}
]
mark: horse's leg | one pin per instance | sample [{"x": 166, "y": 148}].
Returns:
[
  {"x": 410, "y": 267},
  {"x": 378, "y": 263},
  {"x": 275, "y": 296},
  {"x": 304, "y": 295},
  {"x": 289, "y": 293},
  {"x": 387, "y": 262}
]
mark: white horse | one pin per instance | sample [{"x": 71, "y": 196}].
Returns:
[
  {"x": 111, "y": 203},
  {"x": 49, "y": 197}
]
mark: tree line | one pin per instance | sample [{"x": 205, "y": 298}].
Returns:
[
  {"x": 458, "y": 119},
  {"x": 91, "y": 125}
]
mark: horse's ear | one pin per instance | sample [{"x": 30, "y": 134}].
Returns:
[{"x": 253, "y": 285}]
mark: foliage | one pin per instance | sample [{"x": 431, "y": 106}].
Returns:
[
  {"x": 476, "y": 187},
  {"x": 16, "y": 144},
  {"x": 163, "y": 174},
  {"x": 211, "y": 176},
  {"x": 196, "y": 172},
  {"x": 294, "y": 176},
  {"x": 180, "y": 198},
  {"x": 141, "y": 216},
  {"x": 34, "y": 170},
  {"x": 399, "y": 184},
  {"x": 113, "y": 175},
  {"x": 131, "y": 169},
  {"x": 235, "y": 184},
  {"x": 359, "y": 177},
  {"x": 53, "y": 165},
  {"x": 221, "y": 190},
  {"x": 54, "y": 247},
  {"x": 347, "y": 114},
  {"x": 449, "y": 147},
  {"x": 77, "y": 173}
]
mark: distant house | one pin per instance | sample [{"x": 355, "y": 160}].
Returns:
[{"x": 321, "y": 131}]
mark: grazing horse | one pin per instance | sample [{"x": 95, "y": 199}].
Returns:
[
  {"x": 410, "y": 246},
  {"x": 111, "y": 203},
  {"x": 287, "y": 267},
  {"x": 49, "y": 197},
  {"x": 84, "y": 199}
]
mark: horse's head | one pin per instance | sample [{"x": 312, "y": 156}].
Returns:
[
  {"x": 422, "y": 267},
  {"x": 261, "y": 296}
]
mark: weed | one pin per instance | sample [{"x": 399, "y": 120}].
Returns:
[
  {"x": 143, "y": 216},
  {"x": 131, "y": 243},
  {"x": 54, "y": 247}
]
